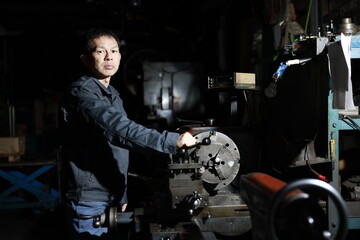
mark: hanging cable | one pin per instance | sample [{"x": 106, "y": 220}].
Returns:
[
  {"x": 308, "y": 16},
  {"x": 318, "y": 175},
  {"x": 350, "y": 121}
]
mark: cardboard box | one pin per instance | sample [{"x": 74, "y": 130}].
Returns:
[{"x": 12, "y": 146}]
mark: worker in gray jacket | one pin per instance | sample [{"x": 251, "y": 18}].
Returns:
[{"x": 97, "y": 136}]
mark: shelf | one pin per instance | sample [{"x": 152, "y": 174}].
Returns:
[
  {"x": 339, "y": 120},
  {"x": 317, "y": 160}
]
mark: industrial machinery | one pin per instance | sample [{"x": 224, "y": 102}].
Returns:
[
  {"x": 203, "y": 187},
  {"x": 202, "y": 199},
  {"x": 212, "y": 199}
]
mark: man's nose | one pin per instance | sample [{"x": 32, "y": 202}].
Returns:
[{"x": 108, "y": 57}]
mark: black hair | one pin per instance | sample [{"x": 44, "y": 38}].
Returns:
[{"x": 91, "y": 34}]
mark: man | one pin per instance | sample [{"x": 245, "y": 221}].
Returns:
[{"x": 96, "y": 137}]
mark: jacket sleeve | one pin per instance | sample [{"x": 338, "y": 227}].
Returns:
[{"x": 115, "y": 126}]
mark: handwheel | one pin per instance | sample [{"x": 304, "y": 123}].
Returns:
[{"x": 320, "y": 187}]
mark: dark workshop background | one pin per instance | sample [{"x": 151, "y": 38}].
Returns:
[
  {"x": 40, "y": 54},
  {"x": 39, "y": 58}
]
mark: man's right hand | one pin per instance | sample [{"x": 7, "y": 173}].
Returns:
[
  {"x": 123, "y": 207},
  {"x": 185, "y": 140}
]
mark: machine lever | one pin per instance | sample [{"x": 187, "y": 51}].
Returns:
[{"x": 206, "y": 141}]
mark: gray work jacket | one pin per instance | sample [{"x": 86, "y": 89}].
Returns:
[{"x": 96, "y": 136}]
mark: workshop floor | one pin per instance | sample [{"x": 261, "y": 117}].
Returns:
[{"x": 28, "y": 225}]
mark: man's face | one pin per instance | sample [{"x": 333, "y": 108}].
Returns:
[{"x": 104, "y": 60}]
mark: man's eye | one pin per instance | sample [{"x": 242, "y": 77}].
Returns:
[
  {"x": 100, "y": 51},
  {"x": 114, "y": 51}
]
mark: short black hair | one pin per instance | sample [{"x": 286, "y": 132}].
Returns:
[{"x": 93, "y": 33}]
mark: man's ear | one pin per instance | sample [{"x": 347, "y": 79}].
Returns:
[{"x": 84, "y": 59}]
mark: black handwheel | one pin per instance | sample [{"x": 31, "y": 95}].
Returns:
[
  {"x": 320, "y": 187},
  {"x": 113, "y": 218}
]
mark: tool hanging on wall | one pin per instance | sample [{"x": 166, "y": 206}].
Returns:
[{"x": 271, "y": 89}]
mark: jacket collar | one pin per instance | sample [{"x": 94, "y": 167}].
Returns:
[{"x": 106, "y": 91}]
